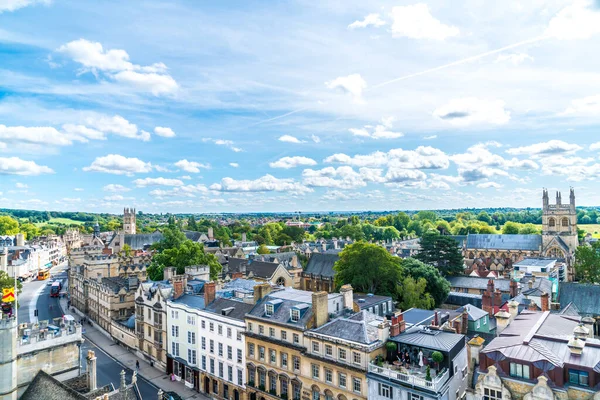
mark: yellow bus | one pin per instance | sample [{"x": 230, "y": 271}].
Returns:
[{"x": 43, "y": 274}]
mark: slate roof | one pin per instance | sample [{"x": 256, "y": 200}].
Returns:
[
  {"x": 540, "y": 285},
  {"x": 473, "y": 282},
  {"x": 583, "y": 295},
  {"x": 570, "y": 309},
  {"x": 322, "y": 264},
  {"x": 417, "y": 316},
  {"x": 430, "y": 339},
  {"x": 191, "y": 301},
  {"x": 262, "y": 269},
  {"x": 116, "y": 283},
  {"x": 44, "y": 386},
  {"x": 359, "y": 328},
  {"x": 369, "y": 299},
  {"x": 504, "y": 242},
  {"x": 293, "y": 298},
  {"x": 237, "y": 264},
  {"x": 475, "y": 313},
  {"x": 140, "y": 240},
  {"x": 536, "y": 262},
  {"x": 240, "y": 309}
]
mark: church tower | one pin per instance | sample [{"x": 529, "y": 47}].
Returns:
[
  {"x": 129, "y": 220},
  {"x": 559, "y": 227}
]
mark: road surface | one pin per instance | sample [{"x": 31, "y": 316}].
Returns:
[{"x": 36, "y": 295}]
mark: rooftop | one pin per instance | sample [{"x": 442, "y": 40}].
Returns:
[
  {"x": 417, "y": 316},
  {"x": 367, "y": 300},
  {"x": 504, "y": 242},
  {"x": 430, "y": 339},
  {"x": 359, "y": 328},
  {"x": 473, "y": 282},
  {"x": 230, "y": 308},
  {"x": 321, "y": 264}
]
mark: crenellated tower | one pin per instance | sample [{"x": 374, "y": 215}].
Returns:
[
  {"x": 129, "y": 221},
  {"x": 559, "y": 227}
]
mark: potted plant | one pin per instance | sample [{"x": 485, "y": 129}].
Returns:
[
  {"x": 391, "y": 349},
  {"x": 437, "y": 357},
  {"x": 428, "y": 374}
]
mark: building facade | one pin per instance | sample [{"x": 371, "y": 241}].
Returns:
[
  {"x": 129, "y": 225},
  {"x": 151, "y": 321}
]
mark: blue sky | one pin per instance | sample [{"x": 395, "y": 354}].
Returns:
[{"x": 187, "y": 106}]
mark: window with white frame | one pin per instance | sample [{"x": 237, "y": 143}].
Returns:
[
  {"x": 239, "y": 335},
  {"x": 328, "y": 350},
  {"x": 342, "y": 380},
  {"x": 175, "y": 349},
  {"x": 315, "y": 347},
  {"x": 230, "y": 373},
  {"x": 328, "y": 375},
  {"x": 284, "y": 360},
  {"x": 203, "y": 324},
  {"x": 342, "y": 354},
  {"x": 251, "y": 349},
  {"x": 356, "y": 385},
  {"x": 296, "y": 338},
  {"x": 356, "y": 357},
  {"x": 491, "y": 394},
  {"x": 192, "y": 356},
  {"x": 203, "y": 343},
  {"x": 191, "y": 320},
  {"x": 385, "y": 391},
  {"x": 220, "y": 369},
  {"x": 228, "y": 332},
  {"x": 269, "y": 309},
  {"x": 283, "y": 335},
  {"x": 174, "y": 331},
  {"x": 261, "y": 353},
  {"x": 212, "y": 346},
  {"x": 220, "y": 329},
  {"x": 229, "y": 353},
  {"x": 519, "y": 370},
  {"x": 239, "y": 377},
  {"x": 295, "y": 315},
  {"x": 296, "y": 361},
  {"x": 261, "y": 329},
  {"x": 315, "y": 371},
  {"x": 250, "y": 327},
  {"x": 211, "y": 327},
  {"x": 220, "y": 349},
  {"x": 174, "y": 314},
  {"x": 239, "y": 356},
  {"x": 272, "y": 332},
  {"x": 272, "y": 356}
]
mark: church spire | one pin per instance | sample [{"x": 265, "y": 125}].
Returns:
[{"x": 558, "y": 200}]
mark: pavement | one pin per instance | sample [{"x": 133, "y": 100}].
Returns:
[{"x": 150, "y": 379}]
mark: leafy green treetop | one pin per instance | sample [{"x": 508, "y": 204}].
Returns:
[
  {"x": 441, "y": 252},
  {"x": 587, "y": 263}
]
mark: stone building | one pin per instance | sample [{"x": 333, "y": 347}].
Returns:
[
  {"x": 540, "y": 356},
  {"x": 318, "y": 274},
  {"x": 53, "y": 346},
  {"x": 151, "y": 321},
  {"x": 129, "y": 225},
  {"x": 558, "y": 240},
  {"x": 111, "y": 299}
]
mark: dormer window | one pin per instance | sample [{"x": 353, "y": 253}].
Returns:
[
  {"x": 269, "y": 309},
  {"x": 295, "y": 315}
]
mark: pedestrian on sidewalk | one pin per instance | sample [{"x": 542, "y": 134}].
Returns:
[{"x": 137, "y": 365}]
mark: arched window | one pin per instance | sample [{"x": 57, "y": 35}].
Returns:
[
  {"x": 552, "y": 222},
  {"x": 316, "y": 393},
  {"x": 565, "y": 221},
  {"x": 328, "y": 395}
]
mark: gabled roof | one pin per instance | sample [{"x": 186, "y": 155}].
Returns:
[
  {"x": 45, "y": 386},
  {"x": 262, "y": 269},
  {"x": 430, "y": 339},
  {"x": 230, "y": 308},
  {"x": 475, "y": 313},
  {"x": 322, "y": 264},
  {"x": 359, "y": 328},
  {"x": 237, "y": 265},
  {"x": 472, "y": 282},
  {"x": 504, "y": 242},
  {"x": 583, "y": 295}
]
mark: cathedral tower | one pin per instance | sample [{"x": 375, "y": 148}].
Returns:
[
  {"x": 129, "y": 220},
  {"x": 559, "y": 227}
]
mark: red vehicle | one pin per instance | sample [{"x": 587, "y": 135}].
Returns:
[{"x": 55, "y": 289}]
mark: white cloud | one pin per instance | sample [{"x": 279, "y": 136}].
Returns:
[
  {"x": 157, "y": 182},
  {"x": 514, "y": 58},
  {"x": 186, "y": 177},
  {"x": 487, "y": 185},
  {"x": 589, "y": 105},
  {"x": 17, "y": 166},
  {"x": 116, "y": 125},
  {"x": 78, "y": 189},
  {"x": 416, "y": 22},
  {"x": 315, "y": 138},
  {"x": 266, "y": 183},
  {"x": 38, "y": 135},
  {"x": 579, "y": 20},
  {"x": 189, "y": 191},
  {"x": 115, "y": 188},
  {"x": 380, "y": 131},
  {"x": 119, "y": 165},
  {"x": 470, "y": 110},
  {"x": 353, "y": 84},
  {"x": 164, "y": 132},
  {"x": 344, "y": 177},
  {"x": 431, "y": 137},
  {"x": 191, "y": 166},
  {"x": 234, "y": 164},
  {"x": 70, "y": 200},
  {"x": 551, "y": 147},
  {"x": 222, "y": 142},
  {"x": 83, "y": 131},
  {"x": 479, "y": 155},
  {"x": 481, "y": 173},
  {"x": 20, "y": 185},
  {"x": 370, "y": 20},
  {"x": 423, "y": 157},
  {"x": 292, "y": 162},
  {"x": 115, "y": 64},
  {"x": 114, "y": 197},
  {"x": 13, "y": 5},
  {"x": 290, "y": 139},
  {"x": 595, "y": 146}
]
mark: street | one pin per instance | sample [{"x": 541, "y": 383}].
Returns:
[{"x": 36, "y": 295}]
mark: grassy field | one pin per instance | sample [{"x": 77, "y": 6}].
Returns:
[
  {"x": 594, "y": 229},
  {"x": 57, "y": 221}
]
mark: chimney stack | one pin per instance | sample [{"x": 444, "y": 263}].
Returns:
[
  {"x": 20, "y": 239},
  {"x": 348, "y": 294},
  {"x": 532, "y": 306},
  {"x": 513, "y": 309},
  {"x": 123, "y": 385},
  {"x": 398, "y": 325},
  {"x": 502, "y": 320},
  {"x": 588, "y": 322},
  {"x": 514, "y": 288},
  {"x": 179, "y": 284},
  {"x": 260, "y": 291},
  {"x": 497, "y": 298},
  {"x": 237, "y": 275},
  {"x": 545, "y": 302},
  {"x": 210, "y": 292},
  {"x": 91, "y": 370},
  {"x": 210, "y": 233},
  {"x": 464, "y": 322},
  {"x": 4, "y": 260},
  {"x": 243, "y": 237},
  {"x": 168, "y": 273},
  {"x": 486, "y": 302},
  {"x": 436, "y": 320},
  {"x": 490, "y": 286},
  {"x": 320, "y": 308},
  {"x": 530, "y": 283}
]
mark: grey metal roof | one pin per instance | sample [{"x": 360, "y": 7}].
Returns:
[
  {"x": 473, "y": 282},
  {"x": 475, "y": 313},
  {"x": 504, "y": 242},
  {"x": 539, "y": 286},
  {"x": 536, "y": 262},
  {"x": 418, "y": 316},
  {"x": 282, "y": 312},
  {"x": 369, "y": 299},
  {"x": 430, "y": 339},
  {"x": 322, "y": 264},
  {"x": 235, "y": 309},
  {"x": 583, "y": 295},
  {"x": 262, "y": 269},
  {"x": 359, "y": 328},
  {"x": 570, "y": 309},
  {"x": 190, "y": 300}
]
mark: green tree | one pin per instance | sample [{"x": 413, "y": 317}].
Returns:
[
  {"x": 30, "y": 230},
  {"x": 413, "y": 294},
  {"x": 191, "y": 225},
  {"x": 262, "y": 249},
  {"x": 484, "y": 217},
  {"x": 441, "y": 252},
  {"x": 172, "y": 237},
  {"x": 8, "y": 225},
  {"x": 390, "y": 233},
  {"x": 294, "y": 232},
  {"x": 587, "y": 263},
  {"x": 427, "y": 215},
  {"x": 529, "y": 229},
  {"x": 510, "y": 228},
  {"x": 185, "y": 254},
  {"x": 369, "y": 269},
  {"x": 126, "y": 250},
  {"x": 437, "y": 285}
]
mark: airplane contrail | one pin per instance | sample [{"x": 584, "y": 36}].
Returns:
[
  {"x": 463, "y": 61},
  {"x": 427, "y": 71}
]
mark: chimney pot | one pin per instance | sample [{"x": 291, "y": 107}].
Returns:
[{"x": 210, "y": 291}]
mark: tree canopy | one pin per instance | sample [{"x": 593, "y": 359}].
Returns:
[
  {"x": 441, "y": 252},
  {"x": 437, "y": 285},
  {"x": 414, "y": 294},
  {"x": 587, "y": 263},
  {"x": 369, "y": 268}
]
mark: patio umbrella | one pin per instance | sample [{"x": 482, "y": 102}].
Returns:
[{"x": 420, "y": 359}]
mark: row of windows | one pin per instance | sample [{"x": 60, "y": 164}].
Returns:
[
  {"x": 328, "y": 376},
  {"x": 283, "y": 357},
  {"x": 220, "y": 347},
  {"x": 221, "y": 330},
  {"x": 220, "y": 372},
  {"x": 342, "y": 354},
  {"x": 283, "y": 335}
]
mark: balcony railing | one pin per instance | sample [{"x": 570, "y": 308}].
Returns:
[{"x": 434, "y": 385}]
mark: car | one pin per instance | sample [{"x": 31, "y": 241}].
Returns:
[{"x": 50, "y": 282}]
